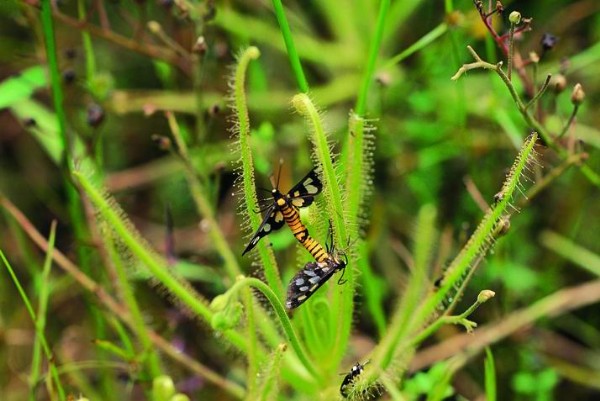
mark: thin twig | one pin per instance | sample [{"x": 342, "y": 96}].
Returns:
[
  {"x": 475, "y": 194},
  {"x": 500, "y": 40},
  {"x": 129, "y": 44},
  {"x": 540, "y": 92},
  {"x": 470, "y": 344},
  {"x": 590, "y": 174},
  {"x": 551, "y": 176},
  {"x": 511, "y": 50},
  {"x": 570, "y": 121}
]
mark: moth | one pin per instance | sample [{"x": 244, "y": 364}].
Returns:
[
  {"x": 309, "y": 279},
  {"x": 285, "y": 210}
]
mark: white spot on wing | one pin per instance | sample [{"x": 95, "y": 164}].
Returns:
[{"x": 311, "y": 189}]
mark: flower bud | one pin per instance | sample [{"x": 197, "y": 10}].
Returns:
[
  {"x": 578, "y": 95},
  {"x": 533, "y": 56},
  {"x": 499, "y": 7},
  {"x": 163, "y": 388},
  {"x": 154, "y": 26},
  {"x": 515, "y": 18},
  {"x": 559, "y": 83},
  {"x": 200, "y": 47},
  {"x": 485, "y": 295}
]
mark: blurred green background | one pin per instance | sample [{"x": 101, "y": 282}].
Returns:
[{"x": 432, "y": 136}]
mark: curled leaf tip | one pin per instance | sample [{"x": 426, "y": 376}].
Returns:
[{"x": 253, "y": 52}]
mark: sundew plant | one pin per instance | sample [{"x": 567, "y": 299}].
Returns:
[{"x": 442, "y": 245}]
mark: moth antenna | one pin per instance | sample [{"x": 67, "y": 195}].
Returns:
[{"x": 276, "y": 183}]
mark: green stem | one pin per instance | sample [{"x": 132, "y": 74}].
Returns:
[
  {"x": 281, "y": 314},
  {"x": 130, "y": 301},
  {"x": 591, "y": 175},
  {"x": 153, "y": 262},
  {"x": 203, "y": 205},
  {"x": 511, "y": 49},
  {"x": 86, "y": 37},
  {"x": 539, "y": 94},
  {"x": 443, "y": 320},
  {"x": 477, "y": 246},
  {"x": 250, "y": 197},
  {"x": 291, "y": 48},
  {"x": 490, "y": 375},
  {"x": 39, "y": 333},
  {"x": 572, "y": 252},
  {"x": 332, "y": 193},
  {"x": 403, "y": 317},
  {"x": 44, "y": 283},
  {"x": 360, "y": 107},
  {"x": 252, "y": 371},
  {"x": 570, "y": 121},
  {"x": 556, "y": 172},
  {"x": 55, "y": 81},
  {"x": 358, "y": 168},
  {"x": 272, "y": 373},
  {"x": 423, "y": 42}
]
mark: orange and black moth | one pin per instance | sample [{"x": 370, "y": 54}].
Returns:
[{"x": 284, "y": 210}]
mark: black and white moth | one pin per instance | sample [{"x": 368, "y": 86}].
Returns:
[{"x": 309, "y": 279}]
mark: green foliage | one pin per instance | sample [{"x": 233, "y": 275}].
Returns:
[{"x": 436, "y": 163}]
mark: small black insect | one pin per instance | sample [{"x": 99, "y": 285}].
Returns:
[
  {"x": 285, "y": 209},
  {"x": 355, "y": 371}
]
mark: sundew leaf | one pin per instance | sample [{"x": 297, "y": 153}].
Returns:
[
  {"x": 22, "y": 86},
  {"x": 45, "y": 129}
]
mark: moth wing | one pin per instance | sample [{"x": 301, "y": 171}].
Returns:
[
  {"x": 303, "y": 193},
  {"x": 306, "y": 282},
  {"x": 273, "y": 221}
]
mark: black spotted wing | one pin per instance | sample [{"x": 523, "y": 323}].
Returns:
[
  {"x": 307, "y": 281},
  {"x": 272, "y": 221},
  {"x": 303, "y": 193}
]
